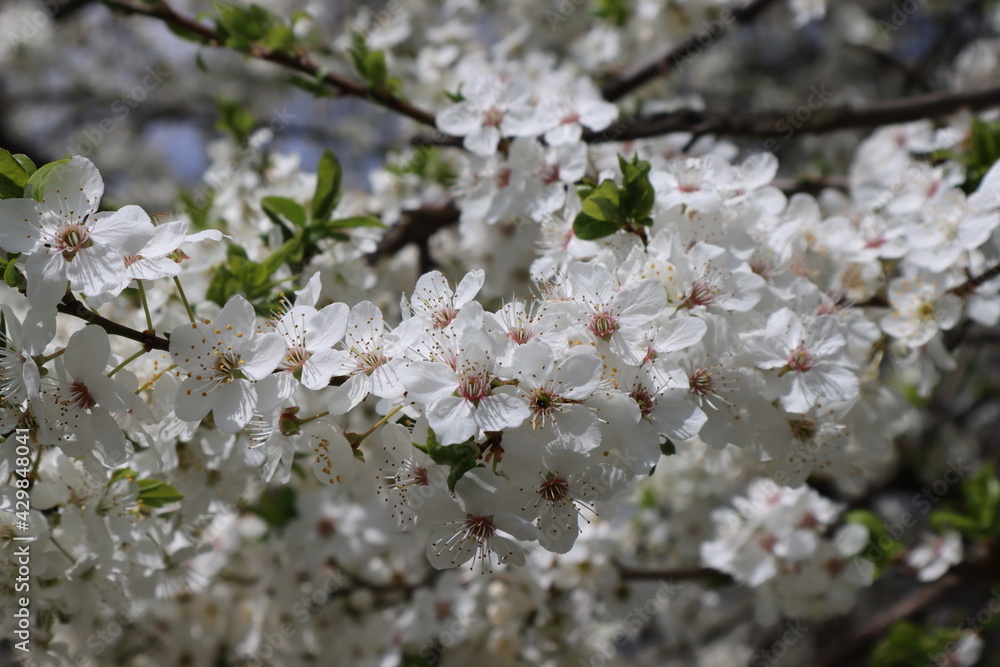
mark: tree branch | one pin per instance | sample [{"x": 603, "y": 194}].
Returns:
[
  {"x": 661, "y": 63},
  {"x": 778, "y": 124},
  {"x": 300, "y": 63},
  {"x": 682, "y": 574},
  {"x": 854, "y": 645},
  {"x": 71, "y": 306},
  {"x": 416, "y": 227},
  {"x": 784, "y": 124}
]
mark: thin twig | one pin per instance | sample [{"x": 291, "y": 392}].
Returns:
[
  {"x": 71, "y": 306},
  {"x": 300, "y": 63},
  {"x": 692, "y": 46}
]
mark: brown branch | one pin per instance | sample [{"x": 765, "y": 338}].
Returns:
[
  {"x": 682, "y": 574},
  {"x": 416, "y": 227},
  {"x": 784, "y": 124},
  {"x": 854, "y": 645},
  {"x": 969, "y": 287},
  {"x": 71, "y": 306},
  {"x": 779, "y": 124},
  {"x": 299, "y": 63},
  {"x": 692, "y": 46}
]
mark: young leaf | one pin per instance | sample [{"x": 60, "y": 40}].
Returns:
[
  {"x": 327, "y": 195},
  {"x": 35, "y": 185},
  {"x": 13, "y": 176},
  {"x": 280, "y": 209}
]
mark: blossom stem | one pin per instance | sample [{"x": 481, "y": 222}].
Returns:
[
  {"x": 357, "y": 438},
  {"x": 126, "y": 362},
  {"x": 314, "y": 417},
  {"x": 155, "y": 378},
  {"x": 180, "y": 293},
  {"x": 44, "y": 359},
  {"x": 60, "y": 547},
  {"x": 145, "y": 307}
]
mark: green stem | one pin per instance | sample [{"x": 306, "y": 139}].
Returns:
[
  {"x": 127, "y": 362},
  {"x": 155, "y": 378},
  {"x": 44, "y": 359},
  {"x": 145, "y": 307},
  {"x": 314, "y": 417},
  {"x": 60, "y": 547},
  {"x": 357, "y": 438},
  {"x": 180, "y": 293}
]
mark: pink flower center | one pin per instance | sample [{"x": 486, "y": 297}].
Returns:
[
  {"x": 803, "y": 430},
  {"x": 502, "y": 178},
  {"x": 553, "y": 489},
  {"x": 71, "y": 239},
  {"x": 570, "y": 118},
  {"x": 520, "y": 335},
  {"x": 549, "y": 174},
  {"x": 603, "y": 325},
  {"x": 542, "y": 404},
  {"x": 645, "y": 400},
  {"x": 700, "y": 382},
  {"x": 800, "y": 359},
  {"x": 295, "y": 359},
  {"x": 369, "y": 361},
  {"x": 80, "y": 397},
  {"x": 493, "y": 117},
  {"x": 701, "y": 295},
  {"x": 443, "y": 317},
  {"x": 474, "y": 387},
  {"x": 480, "y": 528}
]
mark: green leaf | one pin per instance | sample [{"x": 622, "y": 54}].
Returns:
[
  {"x": 883, "y": 547},
  {"x": 460, "y": 458},
  {"x": 314, "y": 86},
  {"x": 906, "y": 644},
  {"x": 667, "y": 447},
  {"x": 615, "y": 12},
  {"x": 35, "y": 185},
  {"x": 601, "y": 215},
  {"x": 234, "y": 119},
  {"x": 11, "y": 275},
  {"x": 241, "y": 26},
  {"x": 588, "y": 228},
  {"x": 280, "y": 209},
  {"x": 156, "y": 493},
  {"x": 13, "y": 176},
  {"x": 979, "y": 517},
  {"x": 122, "y": 473},
  {"x": 638, "y": 195},
  {"x": 25, "y": 163},
  {"x": 327, "y": 195},
  {"x": 276, "y": 506}
]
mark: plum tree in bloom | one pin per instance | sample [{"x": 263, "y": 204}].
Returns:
[{"x": 580, "y": 335}]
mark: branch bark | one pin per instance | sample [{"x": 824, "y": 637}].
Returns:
[
  {"x": 692, "y": 46},
  {"x": 71, "y": 306},
  {"x": 784, "y": 124},
  {"x": 300, "y": 63}
]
